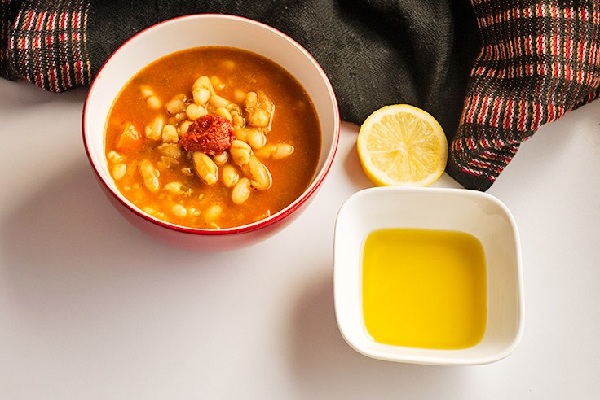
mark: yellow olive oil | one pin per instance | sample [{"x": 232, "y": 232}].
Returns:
[{"x": 424, "y": 288}]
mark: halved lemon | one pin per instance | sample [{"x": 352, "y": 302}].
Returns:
[{"x": 402, "y": 145}]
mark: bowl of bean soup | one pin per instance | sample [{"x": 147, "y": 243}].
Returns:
[{"x": 211, "y": 131}]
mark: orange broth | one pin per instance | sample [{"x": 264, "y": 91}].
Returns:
[{"x": 175, "y": 191}]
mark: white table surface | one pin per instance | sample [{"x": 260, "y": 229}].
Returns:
[{"x": 91, "y": 308}]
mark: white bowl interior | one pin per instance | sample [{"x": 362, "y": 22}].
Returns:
[
  {"x": 206, "y": 30},
  {"x": 477, "y": 213}
]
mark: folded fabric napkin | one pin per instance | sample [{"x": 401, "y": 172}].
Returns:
[{"x": 492, "y": 72}]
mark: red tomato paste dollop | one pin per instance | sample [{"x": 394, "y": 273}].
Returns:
[{"x": 210, "y": 134}]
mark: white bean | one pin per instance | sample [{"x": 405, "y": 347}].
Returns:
[
  {"x": 242, "y": 134},
  {"x": 171, "y": 150},
  {"x": 154, "y": 129},
  {"x": 206, "y": 168},
  {"x": 183, "y": 128},
  {"x": 283, "y": 150},
  {"x": 217, "y": 83},
  {"x": 169, "y": 134},
  {"x": 203, "y": 82},
  {"x": 194, "y": 111},
  {"x": 237, "y": 120},
  {"x": 218, "y": 101},
  {"x": 221, "y": 159},
  {"x": 154, "y": 103},
  {"x": 212, "y": 213},
  {"x": 174, "y": 187},
  {"x": 179, "y": 210},
  {"x": 176, "y": 104},
  {"x": 146, "y": 91},
  {"x": 224, "y": 112},
  {"x": 201, "y": 95},
  {"x": 251, "y": 100},
  {"x": 118, "y": 171},
  {"x": 240, "y": 152},
  {"x": 239, "y": 96},
  {"x": 259, "y": 118},
  {"x": 256, "y": 138},
  {"x": 154, "y": 212},
  {"x": 275, "y": 151},
  {"x": 261, "y": 176},
  {"x": 229, "y": 175},
  {"x": 241, "y": 191},
  {"x": 114, "y": 157},
  {"x": 150, "y": 175}
]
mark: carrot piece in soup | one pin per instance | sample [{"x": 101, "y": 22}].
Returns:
[{"x": 130, "y": 139}]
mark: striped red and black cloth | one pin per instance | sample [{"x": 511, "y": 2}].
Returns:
[
  {"x": 44, "y": 42},
  {"x": 492, "y": 72},
  {"x": 538, "y": 60}
]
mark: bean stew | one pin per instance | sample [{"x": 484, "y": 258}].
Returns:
[{"x": 212, "y": 137}]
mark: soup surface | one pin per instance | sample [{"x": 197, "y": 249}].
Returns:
[
  {"x": 212, "y": 137},
  {"x": 424, "y": 288}
]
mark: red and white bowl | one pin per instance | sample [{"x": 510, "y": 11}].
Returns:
[{"x": 207, "y": 30}]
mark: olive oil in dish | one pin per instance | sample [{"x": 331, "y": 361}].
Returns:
[{"x": 424, "y": 288}]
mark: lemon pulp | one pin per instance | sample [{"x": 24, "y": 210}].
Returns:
[{"x": 402, "y": 145}]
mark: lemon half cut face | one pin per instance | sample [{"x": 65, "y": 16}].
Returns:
[{"x": 402, "y": 145}]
